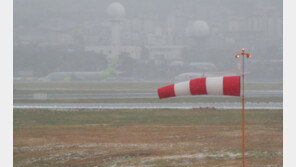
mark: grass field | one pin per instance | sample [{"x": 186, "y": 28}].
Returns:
[{"x": 156, "y": 137}]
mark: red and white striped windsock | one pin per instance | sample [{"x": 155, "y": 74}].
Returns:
[{"x": 203, "y": 86}]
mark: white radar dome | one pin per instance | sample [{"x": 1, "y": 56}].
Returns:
[
  {"x": 116, "y": 10},
  {"x": 199, "y": 28}
]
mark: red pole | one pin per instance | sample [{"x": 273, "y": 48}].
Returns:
[
  {"x": 243, "y": 100},
  {"x": 243, "y": 108}
]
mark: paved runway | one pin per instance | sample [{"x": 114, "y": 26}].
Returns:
[
  {"x": 250, "y": 93},
  {"x": 148, "y": 105}
]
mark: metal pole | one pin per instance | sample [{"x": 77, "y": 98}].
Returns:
[
  {"x": 243, "y": 108},
  {"x": 243, "y": 54}
]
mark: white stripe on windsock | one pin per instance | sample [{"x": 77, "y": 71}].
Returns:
[
  {"x": 182, "y": 89},
  {"x": 214, "y": 85}
]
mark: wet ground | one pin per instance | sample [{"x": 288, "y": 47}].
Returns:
[{"x": 146, "y": 137}]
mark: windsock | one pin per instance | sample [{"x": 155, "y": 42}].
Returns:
[{"x": 229, "y": 85}]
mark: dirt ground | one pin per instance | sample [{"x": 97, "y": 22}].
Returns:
[{"x": 156, "y": 137}]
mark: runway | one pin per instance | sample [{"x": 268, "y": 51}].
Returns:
[
  {"x": 249, "y": 93},
  {"x": 131, "y": 96},
  {"x": 148, "y": 105}
]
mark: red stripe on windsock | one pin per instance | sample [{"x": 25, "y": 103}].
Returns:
[
  {"x": 198, "y": 86},
  {"x": 167, "y": 91},
  {"x": 231, "y": 86}
]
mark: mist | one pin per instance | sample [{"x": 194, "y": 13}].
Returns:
[{"x": 139, "y": 40}]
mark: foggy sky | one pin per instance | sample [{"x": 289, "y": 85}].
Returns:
[{"x": 49, "y": 24}]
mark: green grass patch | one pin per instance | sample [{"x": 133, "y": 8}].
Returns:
[{"x": 46, "y": 117}]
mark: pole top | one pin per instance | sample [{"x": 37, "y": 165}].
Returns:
[{"x": 243, "y": 54}]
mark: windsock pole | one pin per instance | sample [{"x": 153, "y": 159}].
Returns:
[
  {"x": 243, "y": 100},
  {"x": 243, "y": 112}
]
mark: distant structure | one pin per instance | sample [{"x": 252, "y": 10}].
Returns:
[
  {"x": 198, "y": 29},
  {"x": 116, "y": 13}
]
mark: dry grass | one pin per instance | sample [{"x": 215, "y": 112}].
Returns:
[{"x": 199, "y": 137}]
